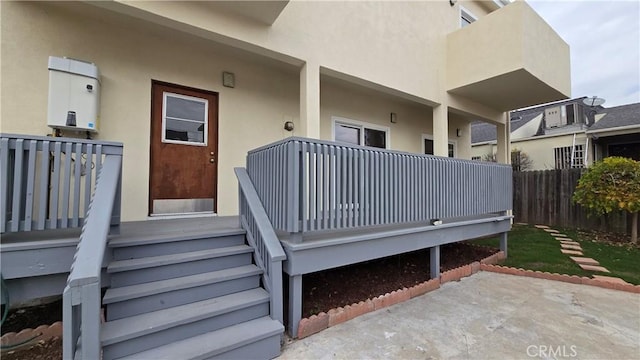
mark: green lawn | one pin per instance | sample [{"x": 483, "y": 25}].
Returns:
[{"x": 535, "y": 249}]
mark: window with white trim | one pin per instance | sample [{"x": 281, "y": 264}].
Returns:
[
  {"x": 360, "y": 133},
  {"x": 427, "y": 146},
  {"x": 184, "y": 119},
  {"x": 563, "y": 157},
  {"x": 466, "y": 17}
]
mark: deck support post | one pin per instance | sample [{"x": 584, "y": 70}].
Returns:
[
  {"x": 295, "y": 303},
  {"x": 434, "y": 271},
  {"x": 503, "y": 243}
]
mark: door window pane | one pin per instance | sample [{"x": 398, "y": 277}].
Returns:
[
  {"x": 375, "y": 138},
  {"x": 347, "y": 134},
  {"x": 428, "y": 146},
  {"x": 184, "y": 119}
]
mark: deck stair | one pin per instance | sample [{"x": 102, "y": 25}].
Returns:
[{"x": 187, "y": 295}]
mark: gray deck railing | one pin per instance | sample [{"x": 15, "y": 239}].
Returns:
[
  {"x": 47, "y": 182},
  {"x": 309, "y": 185},
  {"x": 81, "y": 296},
  {"x": 269, "y": 254}
]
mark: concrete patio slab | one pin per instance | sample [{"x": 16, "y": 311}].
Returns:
[{"x": 488, "y": 316}]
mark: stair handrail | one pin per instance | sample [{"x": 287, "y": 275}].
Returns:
[
  {"x": 269, "y": 253},
  {"x": 81, "y": 296}
]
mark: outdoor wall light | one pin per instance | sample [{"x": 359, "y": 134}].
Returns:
[
  {"x": 228, "y": 79},
  {"x": 393, "y": 117},
  {"x": 459, "y": 132},
  {"x": 453, "y": 2},
  {"x": 288, "y": 125}
]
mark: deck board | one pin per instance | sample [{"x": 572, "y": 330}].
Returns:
[{"x": 128, "y": 230}]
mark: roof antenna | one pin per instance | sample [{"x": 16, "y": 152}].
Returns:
[{"x": 592, "y": 102}]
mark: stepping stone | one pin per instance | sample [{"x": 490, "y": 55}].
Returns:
[
  {"x": 563, "y": 239},
  {"x": 610, "y": 279},
  {"x": 570, "y": 243},
  {"x": 584, "y": 260},
  {"x": 571, "y": 252},
  {"x": 594, "y": 268},
  {"x": 551, "y": 231},
  {"x": 542, "y": 226},
  {"x": 556, "y": 235},
  {"x": 571, "y": 247}
]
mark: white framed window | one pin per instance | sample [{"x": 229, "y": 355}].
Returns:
[
  {"x": 563, "y": 157},
  {"x": 466, "y": 17},
  {"x": 427, "y": 146},
  {"x": 185, "y": 119},
  {"x": 359, "y": 133},
  {"x": 476, "y": 158}
]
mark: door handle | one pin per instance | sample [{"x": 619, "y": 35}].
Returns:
[{"x": 212, "y": 160}]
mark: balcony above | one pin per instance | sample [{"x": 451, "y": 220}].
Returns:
[
  {"x": 508, "y": 59},
  {"x": 265, "y": 12}
]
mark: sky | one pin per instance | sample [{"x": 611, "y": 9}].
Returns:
[{"x": 604, "y": 38}]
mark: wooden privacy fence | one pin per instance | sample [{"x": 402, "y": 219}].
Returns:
[{"x": 544, "y": 197}]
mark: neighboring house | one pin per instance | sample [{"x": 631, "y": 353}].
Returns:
[
  {"x": 616, "y": 132},
  {"x": 556, "y": 135},
  {"x": 326, "y": 105}
]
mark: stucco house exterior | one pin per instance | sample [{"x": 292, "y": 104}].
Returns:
[
  {"x": 237, "y": 146},
  {"x": 565, "y": 134}
]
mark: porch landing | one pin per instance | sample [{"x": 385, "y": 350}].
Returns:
[{"x": 36, "y": 264}]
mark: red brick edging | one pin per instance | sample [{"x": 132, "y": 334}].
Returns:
[
  {"x": 574, "y": 279},
  {"x": 42, "y": 332},
  {"x": 317, "y": 323}
]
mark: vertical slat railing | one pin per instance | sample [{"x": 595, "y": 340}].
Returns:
[
  {"x": 338, "y": 186},
  {"x": 47, "y": 182},
  {"x": 268, "y": 253},
  {"x": 81, "y": 296}
]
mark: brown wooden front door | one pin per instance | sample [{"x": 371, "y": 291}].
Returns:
[{"x": 184, "y": 146}]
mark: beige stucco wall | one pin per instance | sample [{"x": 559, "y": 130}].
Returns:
[
  {"x": 384, "y": 42},
  {"x": 345, "y": 101},
  {"x": 130, "y": 53}
]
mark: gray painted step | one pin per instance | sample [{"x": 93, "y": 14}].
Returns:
[
  {"x": 154, "y": 268},
  {"x": 255, "y": 339},
  {"x": 147, "y": 331},
  {"x": 128, "y": 248},
  {"x": 142, "y": 298}
]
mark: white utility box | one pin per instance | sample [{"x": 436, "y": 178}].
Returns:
[{"x": 74, "y": 95}]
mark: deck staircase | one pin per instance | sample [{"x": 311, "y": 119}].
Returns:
[{"x": 187, "y": 296}]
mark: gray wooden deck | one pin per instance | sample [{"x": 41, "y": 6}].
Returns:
[{"x": 45, "y": 257}]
